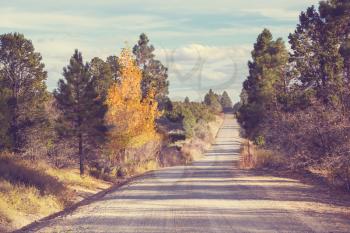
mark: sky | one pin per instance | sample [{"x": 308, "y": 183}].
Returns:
[{"x": 205, "y": 44}]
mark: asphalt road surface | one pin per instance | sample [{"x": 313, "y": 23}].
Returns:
[{"x": 211, "y": 195}]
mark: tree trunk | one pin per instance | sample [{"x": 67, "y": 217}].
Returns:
[
  {"x": 81, "y": 154},
  {"x": 14, "y": 124}
]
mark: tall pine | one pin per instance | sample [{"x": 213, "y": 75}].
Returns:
[
  {"x": 211, "y": 99},
  {"x": 315, "y": 53},
  {"x": 226, "y": 101},
  {"x": 154, "y": 73},
  {"x": 22, "y": 89},
  {"x": 266, "y": 71},
  {"x": 82, "y": 111}
]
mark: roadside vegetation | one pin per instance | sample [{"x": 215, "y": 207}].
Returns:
[
  {"x": 296, "y": 104},
  {"x": 106, "y": 120}
]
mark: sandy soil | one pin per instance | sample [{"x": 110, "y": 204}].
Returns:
[{"x": 211, "y": 195}]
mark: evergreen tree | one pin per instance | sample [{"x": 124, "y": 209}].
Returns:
[
  {"x": 82, "y": 112},
  {"x": 154, "y": 73},
  {"x": 5, "y": 117},
  {"x": 211, "y": 99},
  {"x": 226, "y": 101},
  {"x": 315, "y": 48},
  {"x": 265, "y": 72},
  {"x": 113, "y": 62},
  {"x": 103, "y": 75},
  {"x": 345, "y": 52},
  {"x": 337, "y": 13},
  {"x": 187, "y": 100},
  {"x": 22, "y": 89}
]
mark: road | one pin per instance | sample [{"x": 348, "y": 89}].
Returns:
[{"x": 211, "y": 195}]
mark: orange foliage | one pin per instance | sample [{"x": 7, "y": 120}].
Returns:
[{"x": 132, "y": 118}]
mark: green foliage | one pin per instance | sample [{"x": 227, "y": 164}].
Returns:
[
  {"x": 102, "y": 74},
  {"x": 315, "y": 46},
  {"x": 226, "y": 101},
  {"x": 260, "y": 140},
  {"x": 22, "y": 89},
  {"x": 300, "y": 107},
  {"x": 189, "y": 122},
  {"x": 82, "y": 112},
  {"x": 190, "y": 114},
  {"x": 154, "y": 73},
  {"x": 212, "y": 100},
  {"x": 113, "y": 62},
  {"x": 266, "y": 72}
]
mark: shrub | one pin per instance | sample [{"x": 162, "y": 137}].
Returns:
[
  {"x": 190, "y": 115},
  {"x": 255, "y": 157}
]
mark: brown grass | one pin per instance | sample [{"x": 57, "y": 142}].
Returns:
[
  {"x": 30, "y": 190},
  {"x": 253, "y": 157},
  {"x": 195, "y": 147}
]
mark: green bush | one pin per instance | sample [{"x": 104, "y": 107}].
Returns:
[{"x": 189, "y": 115}]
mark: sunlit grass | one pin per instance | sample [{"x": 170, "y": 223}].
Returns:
[{"x": 32, "y": 190}]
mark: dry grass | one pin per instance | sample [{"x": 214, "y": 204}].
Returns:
[
  {"x": 148, "y": 165},
  {"x": 32, "y": 190},
  {"x": 253, "y": 157},
  {"x": 195, "y": 147}
]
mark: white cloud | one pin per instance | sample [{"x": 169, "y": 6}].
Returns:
[
  {"x": 195, "y": 68},
  {"x": 58, "y": 21},
  {"x": 99, "y": 28}
]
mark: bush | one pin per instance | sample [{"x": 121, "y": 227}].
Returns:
[
  {"x": 255, "y": 157},
  {"x": 317, "y": 137},
  {"x": 189, "y": 115}
]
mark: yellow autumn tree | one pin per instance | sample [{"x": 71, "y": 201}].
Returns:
[{"x": 131, "y": 117}]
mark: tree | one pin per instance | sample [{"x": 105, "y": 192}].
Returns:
[
  {"x": 131, "y": 117},
  {"x": 336, "y": 13},
  {"x": 187, "y": 100},
  {"x": 22, "y": 88},
  {"x": 265, "y": 73},
  {"x": 345, "y": 52},
  {"x": 82, "y": 112},
  {"x": 113, "y": 62},
  {"x": 5, "y": 117},
  {"x": 103, "y": 75},
  {"x": 154, "y": 73},
  {"x": 315, "y": 51},
  {"x": 226, "y": 101},
  {"x": 212, "y": 101}
]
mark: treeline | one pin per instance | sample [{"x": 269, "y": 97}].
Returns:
[
  {"x": 99, "y": 108},
  {"x": 298, "y": 102},
  {"x": 103, "y": 114},
  {"x": 194, "y": 115}
]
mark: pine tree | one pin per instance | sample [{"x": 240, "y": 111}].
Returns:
[
  {"x": 113, "y": 62},
  {"x": 315, "y": 47},
  {"x": 226, "y": 101},
  {"x": 82, "y": 112},
  {"x": 187, "y": 100},
  {"x": 5, "y": 117},
  {"x": 23, "y": 90},
  {"x": 265, "y": 73},
  {"x": 154, "y": 73},
  {"x": 103, "y": 75},
  {"x": 337, "y": 14},
  {"x": 345, "y": 52},
  {"x": 211, "y": 99}
]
